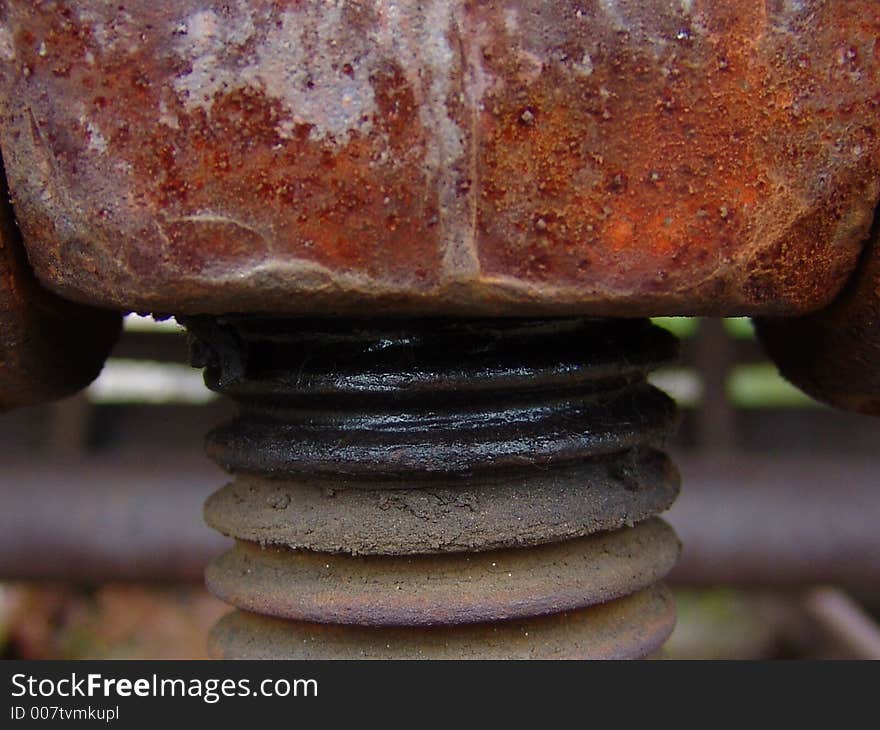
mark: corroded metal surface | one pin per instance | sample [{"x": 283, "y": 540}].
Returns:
[
  {"x": 49, "y": 348},
  {"x": 518, "y": 156},
  {"x": 629, "y": 628},
  {"x": 354, "y": 444},
  {"x": 834, "y": 354},
  {"x": 504, "y": 510},
  {"x": 445, "y": 589}
]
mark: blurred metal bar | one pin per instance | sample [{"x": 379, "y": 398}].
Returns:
[
  {"x": 744, "y": 520},
  {"x": 845, "y": 622},
  {"x": 95, "y": 521},
  {"x": 774, "y": 520}
]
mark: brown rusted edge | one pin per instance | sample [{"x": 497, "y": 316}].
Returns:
[
  {"x": 530, "y": 507},
  {"x": 633, "y": 627},
  {"x": 834, "y": 354},
  {"x": 444, "y": 589}
]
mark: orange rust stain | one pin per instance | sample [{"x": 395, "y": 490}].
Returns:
[
  {"x": 246, "y": 192},
  {"x": 644, "y": 170}
]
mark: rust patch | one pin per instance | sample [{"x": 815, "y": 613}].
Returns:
[{"x": 460, "y": 157}]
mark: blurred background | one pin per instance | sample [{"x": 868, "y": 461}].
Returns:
[{"x": 102, "y": 545}]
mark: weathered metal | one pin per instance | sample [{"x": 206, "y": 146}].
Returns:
[
  {"x": 629, "y": 628},
  {"x": 430, "y": 472},
  {"x": 49, "y": 348},
  {"x": 851, "y": 630},
  {"x": 454, "y": 156},
  {"x": 751, "y": 519},
  {"x": 388, "y": 387},
  {"x": 463, "y": 587}
]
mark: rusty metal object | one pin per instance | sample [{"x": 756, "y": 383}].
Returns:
[
  {"x": 745, "y": 520},
  {"x": 460, "y": 514},
  {"x": 851, "y": 630},
  {"x": 538, "y": 390},
  {"x": 834, "y": 354},
  {"x": 444, "y": 589},
  {"x": 486, "y": 471},
  {"x": 453, "y": 156},
  {"x": 628, "y": 628},
  {"x": 400, "y": 446},
  {"x": 49, "y": 348}
]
